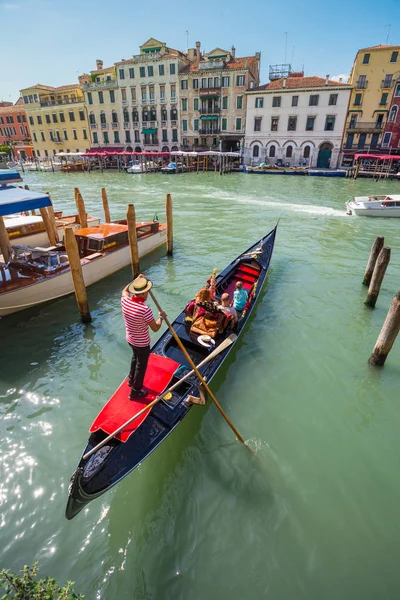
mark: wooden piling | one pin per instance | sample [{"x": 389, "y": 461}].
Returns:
[
  {"x": 80, "y": 205},
  {"x": 133, "y": 243},
  {"x": 71, "y": 246},
  {"x": 388, "y": 333},
  {"x": 5, "y": 244},
  {"x": 377, "y": 276},
  {"x": 376, "y": 248},
  {"x": 52, "y": 219},
  {"x": 169, "y": 224},
  {"x": 107, "y": 218},
  {"x": 48, "y": 226}
]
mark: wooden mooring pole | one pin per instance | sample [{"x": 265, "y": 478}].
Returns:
[
  {"x": 52, "y": 219},
  {"x": 5, "y": 244},
  {"x": 170, "y": 237},
  {"x": 72, "y": 249},
  {"x": 80, "y": 205},
  {"x": 133, "y": 243},
  {"x": 48, "y": 225},
  {"x": 388, "y": 333},
  {"x": 376, "y": 248},
  {"x": 107, "y": 218},
  {"x": 377, "y": 277}
]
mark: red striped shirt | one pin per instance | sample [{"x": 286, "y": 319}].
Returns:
[{"x": 137, "y": 317}]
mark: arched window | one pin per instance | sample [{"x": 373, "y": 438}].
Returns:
[
  {"x": 289, "y": 152},
  {"x": 306, "y": 153},
  {"x": 103, "y": 117},
  {"x": 114, "y": 117},
  {"x": 153, "y": 114},
  {"x": 393, "y": 113},
  {"x": 145, "y": 115},
  {"x": 135, "y": 116},
  {"x": 164, "y": 114},
  {"x": 174, "y": 114},
  {"x": 256, "y": 151},
  {"x": 126, "y": 116},
  {"x": 272, "y": 152}
]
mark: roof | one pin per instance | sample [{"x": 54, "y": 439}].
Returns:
[
  {"x": 16, "y": 108},
  {"x": 48, "y": 88},
  {"x": 245, "y": 62},
  {"x": 104, "y": 70},
  {"x": 15, "y": 200},
  {"x": 298, "y": 83},
  {"x": 380, "y": 47}
]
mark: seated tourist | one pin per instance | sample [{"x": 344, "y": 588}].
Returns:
[
  {"x": 240, "y": 296},
  {"x": 227, "y": 309}
]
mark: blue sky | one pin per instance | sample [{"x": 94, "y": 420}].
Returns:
[{"x": 51, "y": 41}]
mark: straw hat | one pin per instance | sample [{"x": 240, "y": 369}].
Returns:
[{"x": 140, "y": 285}]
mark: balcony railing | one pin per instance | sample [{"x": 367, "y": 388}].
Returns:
[
  {"x": 126, "y": 124},
  {"x": 386, "y": 84},
  {"x": 124, "y": 102},
  {"x": 173, "y": 99},
  {"x": 114, "y": 125},
  {"x": 364, "y": 147},
  {"x": 210, "y": 111},
  {"x": 367, "y": 126},
  {"x": 361, "y": 85},
  {"x": 154, "y": 143},
  {"x": 93, "y": 125},
  {"x": 100, "y": 85},
  {"x": 204, "y": 131},
  {"x": 163, "y": 123},
  {"x": 174, "y": 123},
  {"x": 162, "y": 100},
  {"x": 103, "y": 125},
  {"x": 152, "y": 101},
  {"x": 135, "y": 123},
  {"x": 144, "y": 99},
  {"x": 61, "y": 101},
  {"x": 133, "y": 102}
]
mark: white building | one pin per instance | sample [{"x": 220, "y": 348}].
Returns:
[{"x": 296, "y": 121}]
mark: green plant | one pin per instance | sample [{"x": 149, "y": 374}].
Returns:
[
  {"x": 5, "y": 148},
  {"x": 27, "y": 587}
]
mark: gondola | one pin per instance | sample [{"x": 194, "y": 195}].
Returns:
[{"x": 167, "y": 365}]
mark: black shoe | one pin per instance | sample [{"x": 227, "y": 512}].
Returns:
[
  {"x": 137, "y": 394},
  {"x": 130, "y": 382}
]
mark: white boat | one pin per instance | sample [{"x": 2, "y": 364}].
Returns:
[
  {"x": 375, "y": 206},
  {"x": 50, "y": 166},
  {"x": 137, "y": 167},
  {"x": 30, "y": 230},
  {"x": 173, "y": 167},
  {"x": 33, "y": 276}
]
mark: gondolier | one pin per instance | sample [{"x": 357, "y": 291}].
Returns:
[{"x": 138, "y": 318}]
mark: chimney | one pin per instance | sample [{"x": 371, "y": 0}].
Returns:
[
  {"x": 233, "y": 51},
  {"x": 284, "y": 83},
  {"x": 99, "y": 64},
  {"x": 258, "y": 55},
  {"x": 327, "y": 80},
  {"x": 198, "y": 53},
  {"x": 340, "y": 79}
]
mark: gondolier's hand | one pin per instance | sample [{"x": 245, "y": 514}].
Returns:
[{"x": 162, "y": 314}]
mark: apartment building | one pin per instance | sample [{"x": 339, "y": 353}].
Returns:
[
  {"x": 391, "y": 135},
  {"x": 14, "y": 129},
  {"x": 57, "y": 119},
  {"x": 374, "y": 78},
  {"x": 213, "y": 100},
  {"x": 296, "y": 120}
]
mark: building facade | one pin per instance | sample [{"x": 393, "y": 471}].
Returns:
[
  {"x": 213, "y": 99},
  {"x": 373, "y": 78},
  {"x": 296, "y": 120},
  {"x": 57, "y": 118},
  {"x": 391, "y": 135},
  {"x": 14, "y": 130},
  {"x": 134, "y": 105}
]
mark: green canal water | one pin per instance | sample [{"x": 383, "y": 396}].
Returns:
[{"x": 315, "y": 515}]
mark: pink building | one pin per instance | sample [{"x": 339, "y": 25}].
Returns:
[
  {"x": 14, "y": 129},
  {"x": 391, "y": 137}
]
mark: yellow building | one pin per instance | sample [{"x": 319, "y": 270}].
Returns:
[
  {"x": 374, "y": 73},
  {"x": 57, "y": 118}
]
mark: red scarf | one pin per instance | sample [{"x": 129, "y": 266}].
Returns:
[{"x": 137, "y": 299}]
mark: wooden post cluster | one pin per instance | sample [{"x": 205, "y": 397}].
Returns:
[
  {"x": 388, "y": 334},
  {"x": 107, "y": 218},
  {"x": 169, "y": 224},
  {"x": 377, "y": 277},
  {"x": 133, "y": 243},
  {"x": 72, "y": 249},
  {"x": 80, "y": 205},
  {"x": 376, "y": 248},
  {"x": 48, "y": 225}
]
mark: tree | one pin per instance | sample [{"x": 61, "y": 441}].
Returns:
[
  {"x": 5, "y": 148},
  {"x": 27, "y": 587}
]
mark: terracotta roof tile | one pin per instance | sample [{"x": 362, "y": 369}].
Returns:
[
  {"x": 245, "y": 62},
  {"x": 12, "y": 109},
  {"x": 297, "y": 83},
  {"x": 379, "y": 47},
  {"x": 49, "y": 88}
]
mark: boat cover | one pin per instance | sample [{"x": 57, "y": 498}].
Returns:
[
  {"x": 16, "y": 200},
  {"x": 9, "y": 176},
  {"x": 120, "y": 409}
]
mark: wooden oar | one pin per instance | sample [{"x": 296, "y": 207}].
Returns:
[
  {"x": 201, "y": 378},
  {"x": 227, "y": 342}
]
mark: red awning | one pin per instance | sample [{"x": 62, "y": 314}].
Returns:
[{"x": 378, "y": 156}]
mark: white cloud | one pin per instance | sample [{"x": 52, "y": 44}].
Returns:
[{"x": 343, "y": 76}]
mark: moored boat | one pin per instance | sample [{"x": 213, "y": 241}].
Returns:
[
  {"x": 375, "y": 206},
  {"x": 173, "y": 167},
  {"x": 167, "y": 365},
  {"x": 30, "y": 230}
]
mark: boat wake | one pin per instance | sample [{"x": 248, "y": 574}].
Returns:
[{"x": 311, "y": 209}]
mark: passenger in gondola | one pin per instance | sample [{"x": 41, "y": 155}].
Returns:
[
  {"x": 227, "y": 309},
  {"x": 138, "y": 318},
  {"x": 240, "y": 296}
]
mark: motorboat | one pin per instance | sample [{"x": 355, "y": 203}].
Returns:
[
  {"x": 137, "y": 167},
  {"x": 107, "y": 458},
  {"x": 173, "y": 167},
  {"x": 374, "y": 206},
  {"x": 50, "y": 166}
]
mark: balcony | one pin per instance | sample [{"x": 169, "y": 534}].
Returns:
[
  {"x": 124, "y": 102},
  {"x": 362, "y": 148},
  {"x": 114, "y": 125},
  {"x": 135, "y": 123},
  {"x": 144, "y": 100},
  {"x": 386, "y": 84},
  {"x": 152, "y": 101},
  {"x": 361, "y": 85},
  {"x": 163, "y": 123},
  {"x": 61, "y": 101},
  {"x": 153, "y": 143},
  {"x": 126, "y": 124},
  {"x": 366, "y": 127},
  {"x": 134, "y": 102},
  {"x": 163, "y": 100},
  {"x": 174, "y": 123},
  {"x": 103, "y": 125},
  {"x": 204, "y": 131},
  {"x": 210, "y": 111},
  {"x": 100, "y": 85},
  {"x": 173, "y": 99},
  {"x": 93, "y": 125}
]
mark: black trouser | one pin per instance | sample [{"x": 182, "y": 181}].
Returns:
[{"x": 138, "y": 368}]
